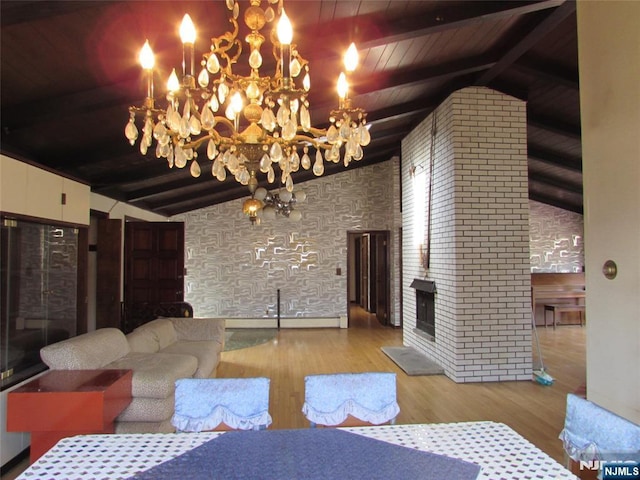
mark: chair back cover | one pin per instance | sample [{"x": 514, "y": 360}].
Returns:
[
  {"x": 370, "y": 397},
  {"x": 594, "y": 433},
  {"x": 204, "y": 403}
]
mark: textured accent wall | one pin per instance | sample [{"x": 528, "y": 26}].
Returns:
[
  {"x": 556, "y": 239},
  {"x": 234, "y": 269},
  {"x": 479, "y": 236}
]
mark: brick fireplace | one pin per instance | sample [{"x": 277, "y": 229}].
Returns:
[
  {"x": 425, "y": 306},
  {"x": 479, "y": 246}
]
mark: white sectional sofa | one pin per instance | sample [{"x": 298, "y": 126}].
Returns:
[{"x": 159, "y": 353}]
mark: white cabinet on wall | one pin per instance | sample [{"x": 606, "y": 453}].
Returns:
[
  {"x": 31, "y": 191},
  {"x": 78, "y": 202},
  {"x": 13, "y": 185}
]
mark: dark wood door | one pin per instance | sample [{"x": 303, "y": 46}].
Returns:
[
  {"x": 357, "y": 271},
  {"x": 364, "y": 272},
  {"x": 154, "y": 265},
  {"x": 381, "y": 275},
  {"x": 369, "y": 272},
  {"x": 373, "y": 272},
  {"x": 108, "y": 265}
]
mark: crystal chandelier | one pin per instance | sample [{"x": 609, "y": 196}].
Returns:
[
  {"x": 268, "y": 205},
  {"x": 246, "y": 124}
]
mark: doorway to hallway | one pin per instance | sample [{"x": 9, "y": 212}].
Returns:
[{"x": 368, "y": 278}]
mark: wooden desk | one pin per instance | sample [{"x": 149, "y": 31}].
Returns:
[
  {"x": 558, "y": 310},
  {"x": 63, "y": 403},
  {"x": 557, "y": 289}
]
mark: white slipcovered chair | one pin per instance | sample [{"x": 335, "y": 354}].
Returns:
[
  {"x": 593, "y": 434},
  {"x": 204, "y": 404},
  {"x": 350, "y": 399}
]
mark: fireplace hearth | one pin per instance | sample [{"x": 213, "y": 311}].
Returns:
[{"x": 425, "y": 306}]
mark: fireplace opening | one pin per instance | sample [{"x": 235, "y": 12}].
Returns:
[{"x": 425, "y": 305}]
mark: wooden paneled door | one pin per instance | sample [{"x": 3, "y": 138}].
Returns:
[
  {"x": 154, "y": 265},
  {"x": 368, "y": 281},
  {"x": 108, "y": 273},
  {"x": 364, "y": 272},
  {"x": 381, "y": 278}
]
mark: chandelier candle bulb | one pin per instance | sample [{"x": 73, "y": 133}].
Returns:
[
  {"x": 173, "y": 85},
  {"x": 351, "y": 58},
  {"x": 285, "y": 36},
  {"x": 343, "y": 87},
  {"x": 188, "y": 37},
  {"x": 147, "y": 60}
]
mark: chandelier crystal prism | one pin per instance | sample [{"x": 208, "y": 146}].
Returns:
[{"x": 246, "y": 124}]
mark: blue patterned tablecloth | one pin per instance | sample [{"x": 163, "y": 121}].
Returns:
[{"x": 307, "y": 454}]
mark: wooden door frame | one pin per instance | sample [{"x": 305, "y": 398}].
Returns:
[
  {"x": 352, "y": 234},
  {"x": 109, "y": 272},
  {"x": 165, "y": 269}
]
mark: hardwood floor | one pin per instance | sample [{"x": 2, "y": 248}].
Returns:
[{"x": 534, "y": 411}]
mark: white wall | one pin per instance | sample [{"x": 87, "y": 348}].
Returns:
[
  {"x": 121, "y": 210},
  {"x": 609, "y": 62}
]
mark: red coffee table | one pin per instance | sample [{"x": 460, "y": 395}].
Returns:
[{"x": 63, "y": 403}]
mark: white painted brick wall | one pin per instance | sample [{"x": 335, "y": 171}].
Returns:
[{"x": 480, "y": 236}]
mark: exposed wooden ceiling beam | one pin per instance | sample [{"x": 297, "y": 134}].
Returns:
[
  {"x": 187, "y": 186},
  {"x": 555, "y": 182},
  {"x": 16, "y": 12},
  {"x": 555, "y": 202},
  {"x": 554, "y": 125},
  {"x": 551, "y": 158},
  {"x": 32, "y": 114},
  {"x": 525, "y": 43},
  {"x": 446, "y": 18},
  {"x": 421, "y": 76},
  {"x": 554, "y": 74}
]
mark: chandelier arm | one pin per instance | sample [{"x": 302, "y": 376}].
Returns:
[
  {"x": 303, "y": 139},
  {"x": 230, "y": 59},
  {"x": 301, "y": 60},
  {"x": 276, "y": 48},
  {"x": 224, "y": 120},
  {"x": 212, "y": 134},
  {"x": 318, "y": 132},
  {"x": 231, "y": 39}
]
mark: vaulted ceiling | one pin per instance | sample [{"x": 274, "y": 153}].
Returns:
[{"x": 69, "y": 73}]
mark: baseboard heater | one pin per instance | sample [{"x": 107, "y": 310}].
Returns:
[{"x": 287, "y": 322}]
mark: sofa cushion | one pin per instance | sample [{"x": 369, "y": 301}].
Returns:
[
  {"x": 87, "y": 351},
  {"x": 154, "y": 374},
  {"x": 148, "y": 410},
  {"x": 207, "y": 352},
  {"x": 162, "y": 329},
  {"x": 144, "y": 427},
  {"x": 143, "y": 340},
  {"x": 199, "y": 328}
]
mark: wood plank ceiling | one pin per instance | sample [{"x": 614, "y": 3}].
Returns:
[{"x": 69, "y": 73}]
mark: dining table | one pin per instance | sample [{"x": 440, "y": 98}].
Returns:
[{"x": 439, "y": 451}]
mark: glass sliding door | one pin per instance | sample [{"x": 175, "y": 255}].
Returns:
[{"x": 39, "y": 273}]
